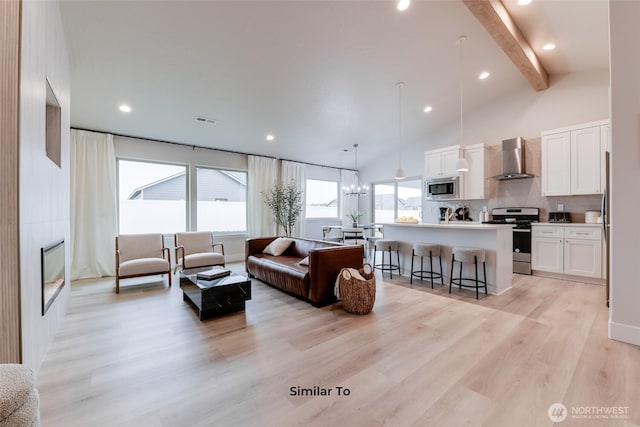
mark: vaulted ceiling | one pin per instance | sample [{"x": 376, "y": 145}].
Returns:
[{"x": 318, "y": 75}]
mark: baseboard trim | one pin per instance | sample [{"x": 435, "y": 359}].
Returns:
[
  {"x": 569, "y": 277},
  {"x": 234, "y": 257},
  {"x": 625, "y": 333}
]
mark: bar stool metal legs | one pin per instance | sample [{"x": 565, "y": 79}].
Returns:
[
  {"x": 422, "y": 250},
  {"x": 387, "y": 246},
  {"x": 469, "y": 255}
]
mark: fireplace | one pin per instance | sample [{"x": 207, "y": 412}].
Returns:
[{"x": 53, "y": 280}]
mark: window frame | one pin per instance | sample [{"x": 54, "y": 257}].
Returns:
[
  {"x": 246, "y": 208},
  {"x": 394, "y": 183},
  {"x": 157, "y": 162}
]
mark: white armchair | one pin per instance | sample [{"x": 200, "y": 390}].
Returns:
[
  {"x": 197, "y": 249},
  {"x": 141, "y": 255}
]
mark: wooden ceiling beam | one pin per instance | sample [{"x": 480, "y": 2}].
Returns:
[{"x": 496, "y": 20}]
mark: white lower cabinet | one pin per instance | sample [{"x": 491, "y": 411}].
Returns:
[
  {"x": 570, "y": 250},
  {"x": 547, "y": 253},
  {"x": 583, "y": 252}
]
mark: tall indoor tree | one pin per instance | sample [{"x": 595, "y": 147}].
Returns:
[{"x": 285, "y": 202}]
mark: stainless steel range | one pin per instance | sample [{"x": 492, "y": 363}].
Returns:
[{"x": 522, "y": 219}]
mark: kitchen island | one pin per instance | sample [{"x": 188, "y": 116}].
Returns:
[{"x": 495, "y": 239}]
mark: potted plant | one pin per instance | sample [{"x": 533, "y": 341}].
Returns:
[
  {"x": 285, "y": 202},
  {"x": 355, "y": 217}
]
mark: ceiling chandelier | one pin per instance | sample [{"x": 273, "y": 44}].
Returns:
[{"x": 355, "y": 189}]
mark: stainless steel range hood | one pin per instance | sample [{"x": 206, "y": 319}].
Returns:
[{"x": 513, "y": 160}]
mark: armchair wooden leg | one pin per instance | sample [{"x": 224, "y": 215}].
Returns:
[
  {"x": 117, "y": 284},
  {"x": 170, "y": 277}
]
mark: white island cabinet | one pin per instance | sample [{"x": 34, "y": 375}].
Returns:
[{"x": 496, "y": 239}]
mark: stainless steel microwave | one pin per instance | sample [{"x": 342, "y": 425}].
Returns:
[{"x": 442, "y": 188}]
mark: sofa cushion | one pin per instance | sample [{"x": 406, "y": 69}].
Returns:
[
  {"x": 278, "y": 246},
  {"x": 195, "y": 242},
  {"x": 132, "y": 246},
  {"x": 143, "y": 266},
  {"x": 17, "y": 388},
  {"x": 203, "y": 259},
  {"x": 283, "y": 271},
  {"x": 27, "y": 415}
]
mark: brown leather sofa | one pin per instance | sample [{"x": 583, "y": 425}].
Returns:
[{"x": 313, "y": 283}]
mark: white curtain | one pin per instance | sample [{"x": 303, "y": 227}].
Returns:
[
  {"x": 262, "y": 175},
  {"x": 296, "y": 173},
  {"x": 349, "y": 203},
  {"x": 93, "y": 204}
]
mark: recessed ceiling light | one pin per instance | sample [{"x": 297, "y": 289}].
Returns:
[
  {"x": 270, "y": 137},
  {"x": 125, "y": 108},
  {"x": 203, "y": 119},
  {"x": 483, "y": 75},
  {"x": 428, "y": 109},
  {"x": 523, "y": 2},
  {"x": 549, "y": 46},
  {"x": 403, "y": 4}
]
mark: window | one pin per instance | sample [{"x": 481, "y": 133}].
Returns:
[
  {"x": 152, "y": 197},
  {"x": 321, "y": 199},
  {"x": 410, "y": 198},
  {"x": 395, "y": 199},
  {"x": 222, "y": 200},
  {"x": 384, "y": 206}
]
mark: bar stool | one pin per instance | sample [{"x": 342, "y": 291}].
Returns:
[
  {"x": 389, "y": 246},
  {"x": 469, "y": 255},
  {"x": 422, "y": 250}
]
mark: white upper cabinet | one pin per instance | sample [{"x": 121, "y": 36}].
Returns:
[
  {"x": 585, "y": 161},
  {"x": 441, "y": 162},
  {"x": 474, "y": 182},
  {"x": 572, "y": 159},
  {"x": 556, "y": 159},
  {"x": 449, "y": 160}
]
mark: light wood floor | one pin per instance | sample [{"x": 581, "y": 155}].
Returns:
[{"x": 422, "y": 358}]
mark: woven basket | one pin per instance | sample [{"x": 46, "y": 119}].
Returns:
[{"x": 358, "y": 296}]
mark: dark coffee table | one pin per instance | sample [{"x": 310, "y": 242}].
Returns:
[{"x": 215, "y": 297}]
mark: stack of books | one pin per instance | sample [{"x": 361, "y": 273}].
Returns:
[{"x": 214, "y": 273}]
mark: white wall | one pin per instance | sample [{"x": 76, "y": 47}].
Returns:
[
  {"x": 44, "y": 188},
  {"x": 624, "y": 322},
  {"x": 570, "y": 99}
]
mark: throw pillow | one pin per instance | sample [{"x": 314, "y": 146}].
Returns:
[
  {"x": 278, "y": 246},
  {"x": 304, "y": 261}
]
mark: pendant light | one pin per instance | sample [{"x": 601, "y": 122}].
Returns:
[
  {"x": 355, "y": 189},
  {"x": 400, "y": 172},
  {"x": 461, "y": 164}
]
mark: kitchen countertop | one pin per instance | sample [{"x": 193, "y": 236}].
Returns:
[
  {"x": 568, "y": 224},
  {"x": 495, "y": 239},
  {"x": 467, "y": 225}
]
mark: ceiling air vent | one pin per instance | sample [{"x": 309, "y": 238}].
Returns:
[{"x": 202, "y": 119}]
